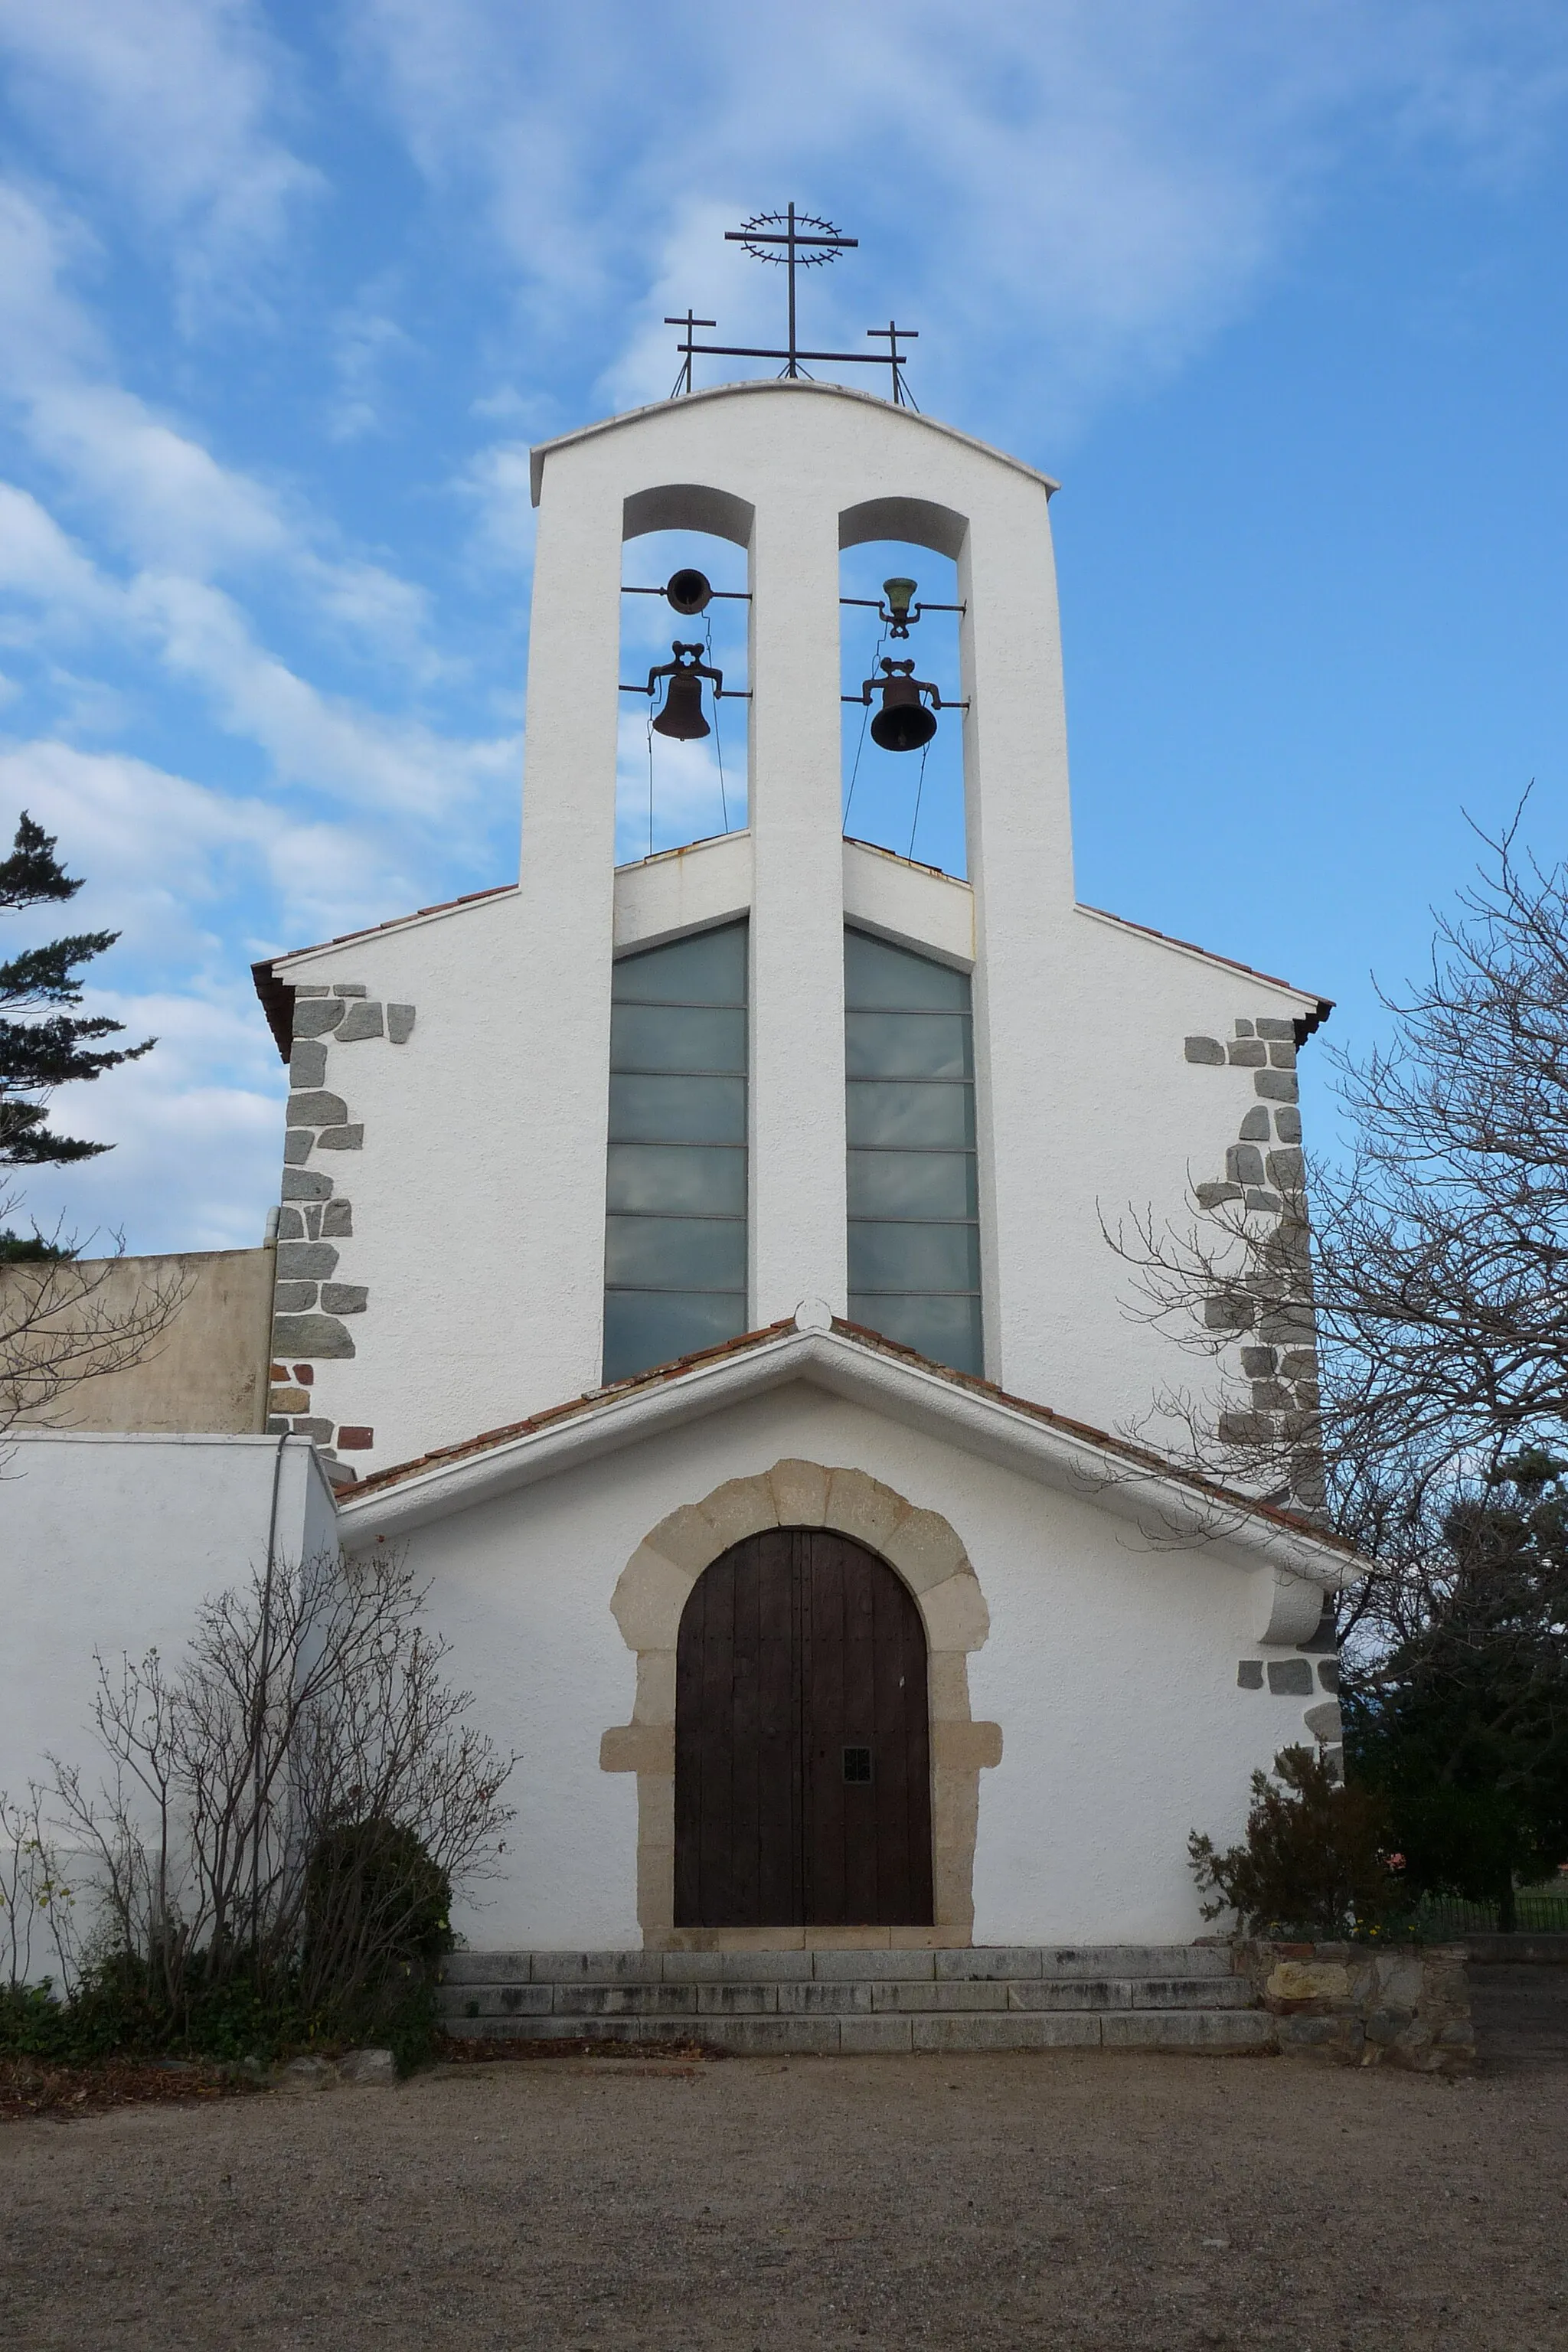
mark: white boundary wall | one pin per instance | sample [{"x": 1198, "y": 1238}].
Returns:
[{"x": 109, "y": 1543}]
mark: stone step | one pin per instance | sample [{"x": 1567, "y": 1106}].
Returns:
[
  {"x": 685, "y": 2004},
  {"x": 1219, "y": 2031},
  {"x": 984, "y": 1963}
]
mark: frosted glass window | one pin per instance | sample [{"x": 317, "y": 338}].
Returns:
[
  {"x": 675, "y": 1200},
  {"x": 913, "y": 1204}
]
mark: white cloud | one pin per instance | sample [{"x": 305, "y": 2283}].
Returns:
[
  {"x": 168, "y": 862},
  {"x": 195, "y": 1130},
  {"x": 683, "y": 799},
  {"x": 37, "y": 560},
  {"x": 396, "y": 765},
  {"x": 1077, "y": 190},
  {"x": 366, "y": 336},
  {"x": 496, "y": 482},
  {"x": 164, "y": 499},
  {"x": 170, "y": 102}
]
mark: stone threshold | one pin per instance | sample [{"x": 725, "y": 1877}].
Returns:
[{"x": 808, "y": 1939}]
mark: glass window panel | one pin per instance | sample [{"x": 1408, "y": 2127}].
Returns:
[
  {"x": 945, "y": 1330},
  {"x": 906, "y": 1046},
  {"x": 709, "y": 968},
  {"x": 913, "y": 1257},
  {"x": 678, "y": 1110},
  {"x": 644, "y": 1328},
  {"x": 911, "y": 1184},
  {"x": 878, "y": 974},
  {"x": 903, "y": 1115},
  {"x": 676, "y": 1037},
  {"x": 677, "y": 1179},
  {"x": 675, "y": 1253}
]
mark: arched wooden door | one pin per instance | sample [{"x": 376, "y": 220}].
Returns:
[{"x": 802, "y": 1741}]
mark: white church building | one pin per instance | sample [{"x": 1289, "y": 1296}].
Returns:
[
  {"x": 699, "y": 1263},
  {"x": 695, "y": 1266}
]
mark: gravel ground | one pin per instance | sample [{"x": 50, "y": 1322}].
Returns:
[{"x": 1053, "y": 2199}]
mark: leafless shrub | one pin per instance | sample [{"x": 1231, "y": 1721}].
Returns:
[
  {"x": 37, "y": 1922},
  {"x": 1431, "y": 1278},
  {"x": 288, "y": 1801},
  {"x": 62, "y": 1322}
]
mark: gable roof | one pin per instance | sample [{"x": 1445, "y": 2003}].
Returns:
[
  {"x": 1307, "y": 1021},
  {"x": 1173, "y": 1503},
  {"x": 277, "y": 994},
  {"x": 777, "y": 387}
]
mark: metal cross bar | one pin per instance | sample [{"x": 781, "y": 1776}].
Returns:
[
  {"x": 903, "y": 397},
  {"x": 731, "y": 693},
  {"x": 827, "y": 247},
  {"x": 857, "y": 699},
  {"x": 871, "y": 603},
  {"x": 683, "y": 380},
  {"x": 731, "y": 596}
]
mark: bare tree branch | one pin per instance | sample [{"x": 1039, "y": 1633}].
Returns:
[
  {"x": 1378, "y": 1358},
  {"x": 63, "y": 1323}
]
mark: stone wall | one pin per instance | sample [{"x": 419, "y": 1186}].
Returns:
[
  {"x": 310, "y": 1307},
  {"x": 1275, "y": 1357},
  {"x": 1357, "y": 2005},
  {"x": 1265, "y": 1172}
]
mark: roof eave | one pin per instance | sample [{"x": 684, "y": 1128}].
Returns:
[{"x": 1173, "y": 1509}]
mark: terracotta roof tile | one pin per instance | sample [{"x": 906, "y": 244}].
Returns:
[
  {"x": 1142, "y": 1457},
  {"x": 1311, "y": 1020}
]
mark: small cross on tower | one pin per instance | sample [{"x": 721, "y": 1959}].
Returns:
[{"x": 799, "y": 241}]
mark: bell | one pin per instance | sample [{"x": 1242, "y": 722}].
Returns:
[
  {"x": 689, "y": 592},
  {"x": 682, "y": 714},
  {"x": 899, "y": 593},
  {"x": 903, "y": 723}
]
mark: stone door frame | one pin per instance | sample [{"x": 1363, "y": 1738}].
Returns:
[{"x": 923, "y": 1549}]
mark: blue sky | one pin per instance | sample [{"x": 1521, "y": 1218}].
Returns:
[{"x": 287, "y": 291}]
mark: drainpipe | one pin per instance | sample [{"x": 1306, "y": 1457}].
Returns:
[{"x": 269, "y": 1244}]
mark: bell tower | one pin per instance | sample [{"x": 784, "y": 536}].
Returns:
[{"x": 793, "y": 472}]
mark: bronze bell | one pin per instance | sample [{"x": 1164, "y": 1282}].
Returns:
[
  {"x": 682, "y": 714},
  {"x": 903, "y": 723}
]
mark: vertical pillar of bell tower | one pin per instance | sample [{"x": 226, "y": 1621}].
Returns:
[
  {"x": 558, "y": 1057},
  {"x": 798, "y": 1233}
]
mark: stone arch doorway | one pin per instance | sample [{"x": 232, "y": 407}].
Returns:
[
  {"x": 650, "y": 1598},
  {"x": 802, "y": 1741}
]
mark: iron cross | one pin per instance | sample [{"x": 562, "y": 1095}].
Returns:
[{"x": 794, "y": 238}]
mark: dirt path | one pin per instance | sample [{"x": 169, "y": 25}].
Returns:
[{"x": 1058, "y": 2199}]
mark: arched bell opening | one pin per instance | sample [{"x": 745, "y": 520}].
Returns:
[
  {"x": 903, "y": 733},
  {"x": 802, "y": 1739},
  {"x": 682, "y": 764}
]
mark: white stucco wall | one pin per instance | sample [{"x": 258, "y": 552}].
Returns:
[
  {"x": 1110, "y": 1666},
  {"x": 109, "y": 1543},
  {"x": 477, "y": 1195}
]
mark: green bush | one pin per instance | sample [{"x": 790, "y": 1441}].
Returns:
[
  {"x": 1314, "y": 1864},
  {"x": 377, "y": 1924}
]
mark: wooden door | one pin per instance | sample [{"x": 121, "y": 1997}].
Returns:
[{"x": 802, "y": 1741}]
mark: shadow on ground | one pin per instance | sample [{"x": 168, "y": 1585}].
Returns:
[{"x": 1520, "y": 2017}]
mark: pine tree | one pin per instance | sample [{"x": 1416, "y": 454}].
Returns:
[{"x": 39, "y": 1053}]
